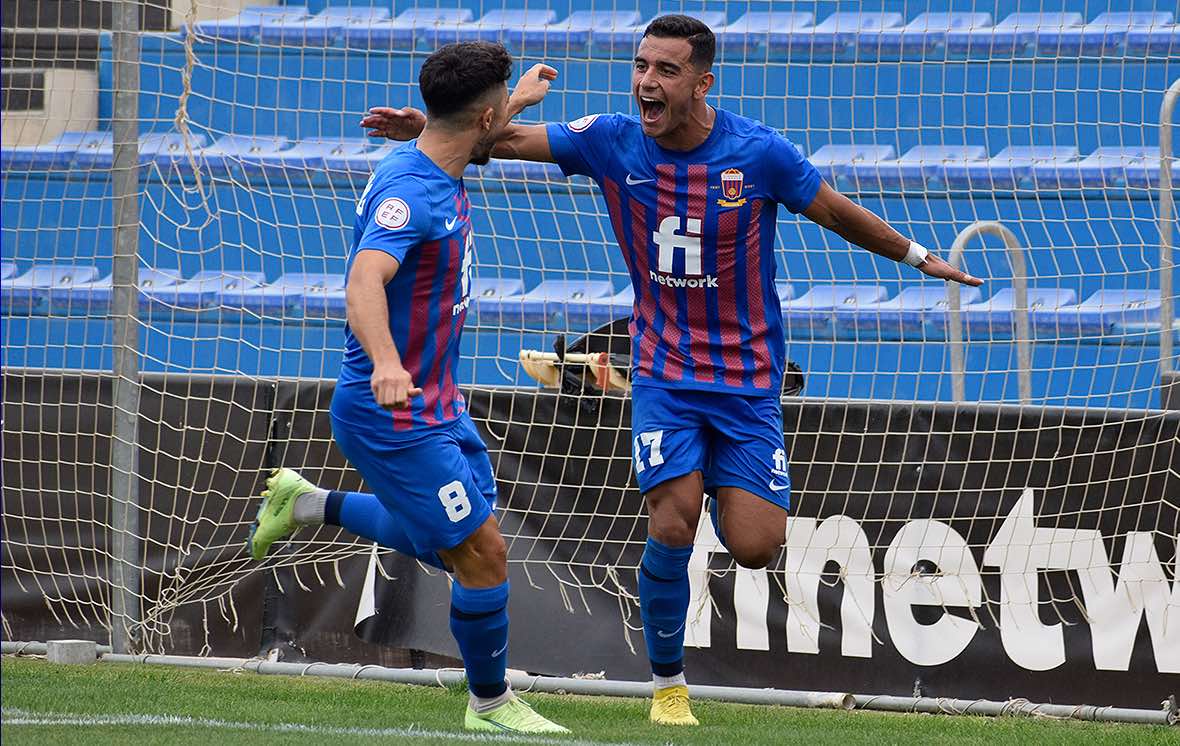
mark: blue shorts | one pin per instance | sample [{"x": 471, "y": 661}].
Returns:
[
  {"x": 439, "y": 484},
  {"x": 732, "y": 439}
]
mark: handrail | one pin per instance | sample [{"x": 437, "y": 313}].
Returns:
[
  {"x": 1022, "y": 335},
  {"x": 1167, "y": 218}
]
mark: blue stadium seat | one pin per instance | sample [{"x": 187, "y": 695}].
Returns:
[
  {"x": 495, "y": 25},
  {"x": 1016, "y": 34},
  {"x": 30, "y": 291},
  {"x": 913, "y": 168},
  {"x": 58, "y": 154},
  {"x": 324, "y": 304},
  {"x": 623, "y": 42},
  {"x": 491, "y": 295},
  {"x": 399, "y": 34},
  {"x": 523, "y": 171},
  {"x": 247, "y": 25},
  {"x": 1145, "y": 174},
  {"x": 101, "y": 155},
  {"x": 996, "y": 316},
  {"x": 833, "y": 35},
  {"x": 202, "y": 292},
  {"x": 300, "y": 163},
  {"x": 1008, "y": 170},
  {"x": 546, "y": 303},
  {"x": 283, "y": 297},
  {"x": 925, "y": 33},
  {"x": 784, "y": 290},
  {"x": 749, "y": 36},
  {"x": 7, "y": 269},
  {"x": 1104, "y": 35},
  {"x": 359, "y": 166},
  {"x": 1154, "y": 41},
  {"x": 1105, "y": 167},
  {"x": 94, "y": 298},
  {"x": 833, "y": 161},
  {"x": 1100, "y": 314},
  {"x": 322, "y": 29},
  {"x": 904, "y": 316},
  {"x": 814, "y": 312},
  {"x": 229, "y": 154},
  {"x": 569, "y": 36}
]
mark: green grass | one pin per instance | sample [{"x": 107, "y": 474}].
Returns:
[{"x": 111, "y": 703}]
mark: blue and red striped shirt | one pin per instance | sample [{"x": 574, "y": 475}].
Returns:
[
  {"x": 415, "y": 212},
  {"x": 697, "y": 229}
]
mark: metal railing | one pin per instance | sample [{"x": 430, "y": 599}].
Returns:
[
  {"x": 1021, "y": 336},
  {"x": 1167, "y": 218}
]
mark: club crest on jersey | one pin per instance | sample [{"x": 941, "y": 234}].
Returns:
[{"x": 732, "y": 186}]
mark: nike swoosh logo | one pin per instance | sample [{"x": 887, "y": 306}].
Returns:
[
  {"x": 633, "y": 181},
  {"x": 500, "y": 652},
  {"x": 451, "y": 223},
  {"x": 779, "y": 487},
  {"x": 665, "y": 635}
]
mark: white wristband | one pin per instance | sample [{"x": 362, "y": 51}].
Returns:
[{"x": 917, "y": 254}]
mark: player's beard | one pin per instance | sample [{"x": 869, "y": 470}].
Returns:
[{"x": 482, "y": 153}]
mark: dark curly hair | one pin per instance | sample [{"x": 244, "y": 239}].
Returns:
[
  {"x": 457, "y": 75},
  {"x": 698, "y": 35}
]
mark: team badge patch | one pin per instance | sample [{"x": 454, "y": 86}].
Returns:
[
  {"x": 392, "y": 213},
  {"x": 732, "y": 186},
  {"x": 581, "y": 124}
]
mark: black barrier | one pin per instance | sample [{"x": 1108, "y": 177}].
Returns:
[{"x": 967, "y": 551}]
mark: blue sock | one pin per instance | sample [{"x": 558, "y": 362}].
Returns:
[
  {"x": 663, "y": 604},
  {"x": 364, "y": 515},
  {"x": 479, "y": 622}
]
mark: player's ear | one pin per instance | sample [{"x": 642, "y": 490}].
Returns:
[
  {"x": 704, "y": 85},
  {"x": 487, "y": 118}
]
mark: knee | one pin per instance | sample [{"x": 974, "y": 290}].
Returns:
[
  {"x": 672, "y": 528},
  {"x": 754, "y": 555},
  {"x": 482, "y": 560}
]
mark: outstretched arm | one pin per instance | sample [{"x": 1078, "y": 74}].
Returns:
[
  {"x": 526, "y": 142},
  {"x": 857, "y": 225}
]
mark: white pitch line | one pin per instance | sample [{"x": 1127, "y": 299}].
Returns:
[{"x": 16, "y": 716}]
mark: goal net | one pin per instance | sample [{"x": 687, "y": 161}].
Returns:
[{"x": 251, "y": 162}]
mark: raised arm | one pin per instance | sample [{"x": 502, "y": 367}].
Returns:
[
  {"x": 526, "y": 142},
  {"x": 368, "y": 317},
  {"x": 857, "y": 225}
]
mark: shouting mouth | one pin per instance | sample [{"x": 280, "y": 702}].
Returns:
[{"x": 652, "y": 109}]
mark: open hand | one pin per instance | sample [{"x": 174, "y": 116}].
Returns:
[
  {"x": 935, "y": 267},
  {"x": 394, "y": 124}
]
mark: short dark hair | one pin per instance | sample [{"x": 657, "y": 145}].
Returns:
[
  {"x": 698, "y": 35},
  {"x": 457, "y": 75}
]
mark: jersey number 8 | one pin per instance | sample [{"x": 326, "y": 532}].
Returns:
[{"x": 453, "y": 497}]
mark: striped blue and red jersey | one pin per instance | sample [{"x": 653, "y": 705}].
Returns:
[
  {"x": 697, "y": 230},
  {"x": 415, "y": 212}
]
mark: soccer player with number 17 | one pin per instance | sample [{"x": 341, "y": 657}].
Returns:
[{"x": 693, "y": 192}]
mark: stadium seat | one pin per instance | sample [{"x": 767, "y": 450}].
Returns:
[
  {"x": 359, "y": 166},
  {"x": 489, "y": 295},
  {"x": 594, "y": 312},
  {"x": 229, "y": 154},
  {"x": 324, "y": 305},
  {"x": 546, "y": 303},
  {"x": 1105, "y": 167},
  {"x": 833, "y": 35},
  {"x": 399, "y": 33},
  {"x": 58, "y": 154},
  {"x": 495, "y": 25},
  {"x": 1016, "y": 34},
  {"x": 283, "y": 297},
  {"x": 247, "y": 25},
  {"x": 1154, "y": 41},
  {"x": 1104, "y": 35},
  {"x": 571, "y": 36},
  {"x": 527, "y": 171},
  {"x": 925, "y": 33},
  {"x": 815, "y": 311},
  {"x": 913, "y": 168},
  {"x": 996, "y": 316},
  {"x": 1145, "y": 174},
  {"x": 1100, "y": 314},
  {"x": 833, "y": 161},
  {"x": 151, "y": 145},
  {"x": 95, "y": 298},
  {"x": 30, "y": 292},
  {"x": 623, "y": 42},
  {"x": 200, "y": 293},
  {"x": 784, "y": 290},
  {"x": 1008, "y": 170},
  {"x": 7, "y": 269},
  {"x": 904, "y": 316},
  {"x": 322, "y": 29},
  {"x": 304, "y": 160},
  {"x": 748, "y": 37}
]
